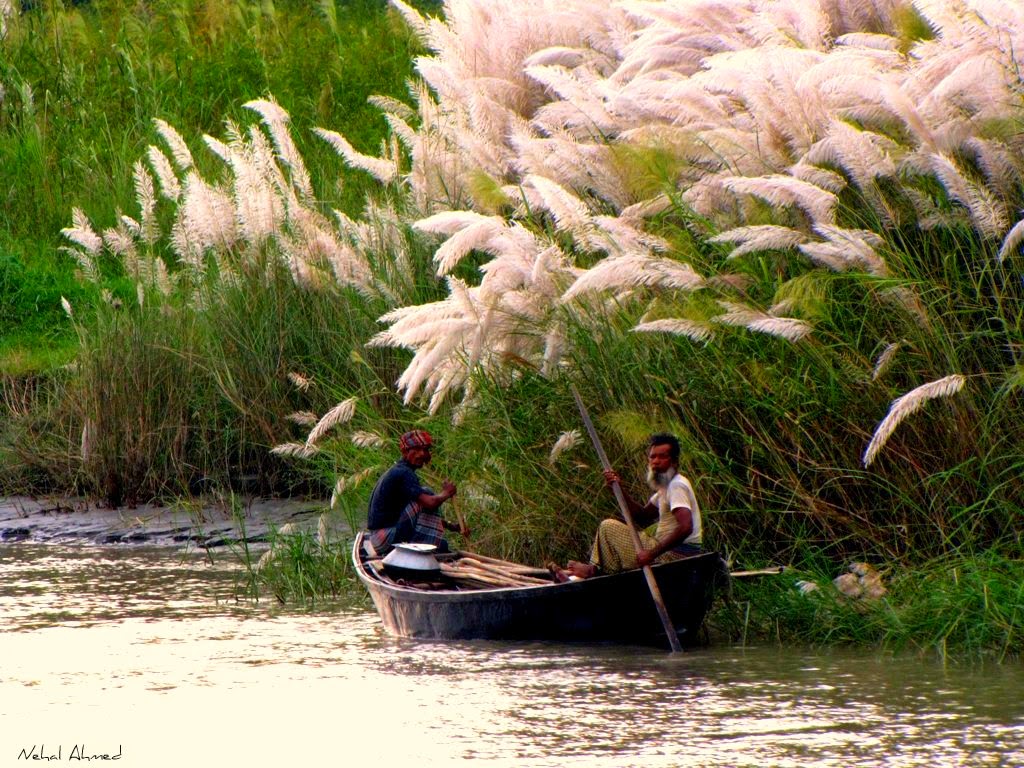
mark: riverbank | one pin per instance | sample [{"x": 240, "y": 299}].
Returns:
[{"x": 195, "y": 524}]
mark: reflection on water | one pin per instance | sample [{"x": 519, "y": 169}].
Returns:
[{"x": 148, "y": 652}]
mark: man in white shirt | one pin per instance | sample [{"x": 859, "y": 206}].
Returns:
[{"x": 673, "y": 505}]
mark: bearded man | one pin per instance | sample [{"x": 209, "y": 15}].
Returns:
[
  {"x": 402, "y": 509},
  {"x": 673, "y": 505}
]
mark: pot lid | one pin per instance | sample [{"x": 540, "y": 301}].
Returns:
[{"x": 416, "y": 547}]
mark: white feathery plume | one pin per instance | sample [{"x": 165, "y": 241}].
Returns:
[
  {"x": 876, "y": 40},
  {"x": 762, "y": 237},
  {"x": 259, "y": 208},
  {"x": 343, "y": 483},
  {"x": 699, "y": 332},
  {"x": 300, "y": 382},
  {"x": 303, "y": 418},
  {"x": 393, "y": 106},
  {"x": 66, "y": 305},
  {"x": 295, "y": 450},
  {"x": 6, "y": 10},
  {"x": 468, "y": 231},
  {"x": 864, "y": 155},
  {"x": 450, "y": 222},
  {"x": 907, "y": 404},
  {"x": 884, "y": 359},
  {"x": 218, "y": 147},
  {"x": 762, "y": 322},
  {"x": 339, "y": 414},
  {"x": 321, "y": 531},
  {"x": 999, "y": 164},
  {"x": 145, "y": 195},
  {"x": 161, "y": 276},
  {"x": 633, "y": 271},
  {"x": 1012, "y": 241},
  {"x": 88, "y": 439},
  {"x": 416, "y": 22},
  {"x": 566, "y": 441},
  {"x": 130, "y": 225},
  {"x": 616, "y": 236},
  {"x": 569, "y": 212},
  {"x": 582, "y": 100},
  {"x": 385, "y": 171},
  {"x": 987, "y": 214},
  {"x": 169, "y": 186},
  {"x": 207, "y": 216},
  {"x": 276, "y": 120},
  {"x": 362, "y": 439},
  {"x": 120, "y": 241},
  {"x": 846, "y": 249},
  {"x": 830, "y": 181},
  {"x": 179, "y": 149},
  {"x": 82, "y": 234},
  {"x": 781, "y": 190},
  {"x": 90, "y": 244}
]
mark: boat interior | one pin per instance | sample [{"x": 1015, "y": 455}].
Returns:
[{"x": 459, "y": 570}]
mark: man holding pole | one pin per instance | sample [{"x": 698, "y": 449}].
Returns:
[
  {"x": 673, "y": 505},
  {"x": 402, "y": 509}
]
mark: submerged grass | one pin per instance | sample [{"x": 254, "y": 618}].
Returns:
[{"x": 299, "y": 568}]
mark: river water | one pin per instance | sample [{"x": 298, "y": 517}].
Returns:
[{"x": 145, "y": 654}]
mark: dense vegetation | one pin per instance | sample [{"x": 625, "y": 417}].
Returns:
[{"x": 229, "y": 289}]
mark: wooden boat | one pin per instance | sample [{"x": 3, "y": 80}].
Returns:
[{"x": 614, "y": 608}]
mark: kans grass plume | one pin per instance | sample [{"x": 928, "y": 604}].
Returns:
[
  {"x": 806, "y": 129},
  {"x": 906, "y": 405}
]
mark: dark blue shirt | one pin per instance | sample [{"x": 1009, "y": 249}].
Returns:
[{"x": 393, "y": 492}]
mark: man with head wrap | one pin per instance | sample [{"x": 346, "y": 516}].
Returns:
[{"x": 402, "y": 509}]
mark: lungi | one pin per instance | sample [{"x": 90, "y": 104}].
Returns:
[
  {"x": 613, "y": 549},
  {"x": 415, "y": 525}
]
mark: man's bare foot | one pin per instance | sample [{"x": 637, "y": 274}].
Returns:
[
  {"x": 559, "y": 574},
  {"x": 581, "y": 570}
]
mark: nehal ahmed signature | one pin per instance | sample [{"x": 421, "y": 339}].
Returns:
[{"x": 77, "y": 752}]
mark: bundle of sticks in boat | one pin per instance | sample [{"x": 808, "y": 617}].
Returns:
[{"x": 473, "y": 570}]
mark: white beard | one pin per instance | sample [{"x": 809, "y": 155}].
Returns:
[{"x": 659, "y": 482}]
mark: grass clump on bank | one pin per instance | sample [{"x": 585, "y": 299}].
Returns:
[
  {"x": 301, "y": 567},
  {"x": 961, "y": 607}
]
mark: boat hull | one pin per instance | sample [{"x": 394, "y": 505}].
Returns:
[{"x": 615, "y": 608}]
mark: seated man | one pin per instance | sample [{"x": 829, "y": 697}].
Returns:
[
  {"x": 674, "y": 506},
  {"x": 404, "y": 510}
]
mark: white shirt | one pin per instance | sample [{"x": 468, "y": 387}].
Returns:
[{"x": 679, "y": 493}]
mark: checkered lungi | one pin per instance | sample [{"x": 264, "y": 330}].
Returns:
[
  {"x": 614, "y": 551},
  {"x": 416, "y": 525}
]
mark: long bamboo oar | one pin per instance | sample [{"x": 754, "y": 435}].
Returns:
[{"x": 652, "y": 585}]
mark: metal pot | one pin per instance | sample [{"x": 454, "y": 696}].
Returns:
[{"x": 412, "y": 561}]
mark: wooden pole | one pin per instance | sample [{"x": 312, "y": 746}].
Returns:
[{"x": 652, "y": 584}]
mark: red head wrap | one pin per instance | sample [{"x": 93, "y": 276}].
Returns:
[{"x": 417, "y": 438}]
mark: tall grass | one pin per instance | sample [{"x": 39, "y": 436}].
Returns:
[
  {"x": 790, "y": 241},
  {"x": 962, "y": 608},
  {"x": 82, "y": 84}
]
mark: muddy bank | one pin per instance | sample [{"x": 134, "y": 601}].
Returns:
[{"x": 192, "y": 523}]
